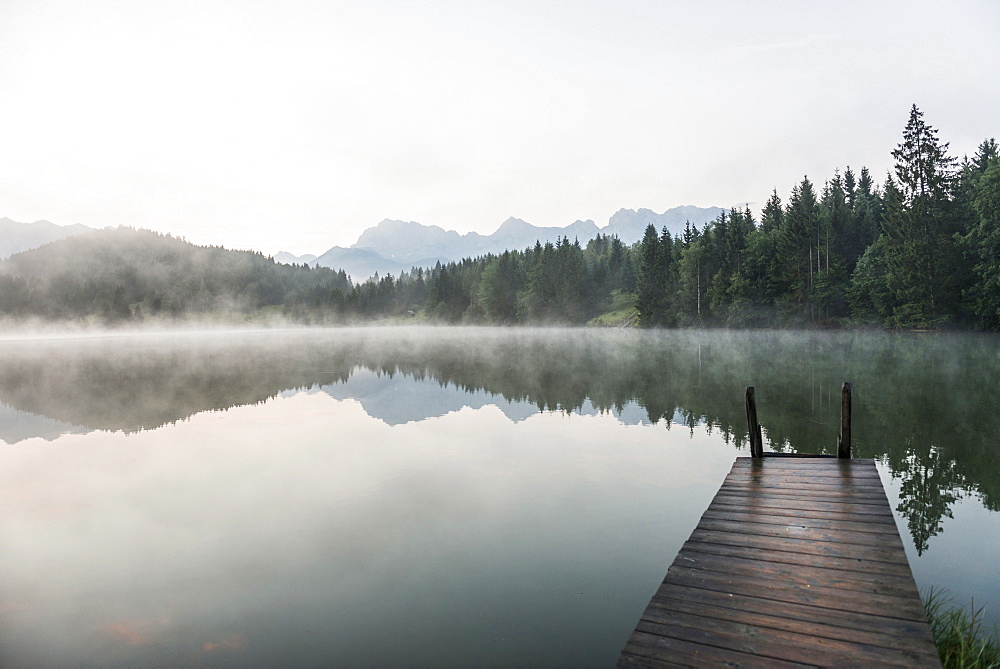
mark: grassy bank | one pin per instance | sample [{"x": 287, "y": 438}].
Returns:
[{"x": 958, "y": 633}]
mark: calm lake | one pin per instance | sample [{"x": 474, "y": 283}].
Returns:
[{"x": 438, "y": 496}]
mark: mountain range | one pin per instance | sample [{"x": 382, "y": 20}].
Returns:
[
  {"x": 395, "y": 246},
  {"x": 16, "y": 237}
]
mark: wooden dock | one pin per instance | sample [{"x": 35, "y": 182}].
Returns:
[{"x": 797, "y": 561}]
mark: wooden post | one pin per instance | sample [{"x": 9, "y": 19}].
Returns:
[
  {"x": 756, "y": 441},
  {"x": 844, "y": 439}
]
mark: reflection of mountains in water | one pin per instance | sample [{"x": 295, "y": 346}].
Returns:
[
  {"x": 925, "y": 405},
  {"x": 398, "y": 399},
  {"x": 393, "y": 399},
  {"x": 18, "y": 426},
  {"x": 50, "y": 388},
  {"x": 131, "y": 384}
]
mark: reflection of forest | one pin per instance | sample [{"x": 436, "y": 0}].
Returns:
[{"x": 924, "y": 403}]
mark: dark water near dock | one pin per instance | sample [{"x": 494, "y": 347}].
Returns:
[{"x": 426, "y": 496}]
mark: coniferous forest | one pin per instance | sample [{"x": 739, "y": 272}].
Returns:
[{"x": 919, "y": 250}]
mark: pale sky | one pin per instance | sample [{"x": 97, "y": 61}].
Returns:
[{"x": 296, "y": 125}]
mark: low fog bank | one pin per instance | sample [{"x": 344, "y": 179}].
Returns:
[
  {"x": 925, "y": 405},
  {"x": 213, "y": 324},
  {"x": 14, "y": 329}
]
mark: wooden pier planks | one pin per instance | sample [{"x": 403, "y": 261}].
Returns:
[{"x": 797, "y": 561}]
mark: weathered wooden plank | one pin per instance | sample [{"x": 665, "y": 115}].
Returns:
[
  {"x": 892, "y": 632},
  {"x": 872, "y": 487},
  {"x": 805, "y": 496},
  {"x": 791, "y": 545},
  {"x": 802, "y": 485},
  {"x": 698, "y": 653},
  {"x": 804, "y": 531},
  {"x": 806, "y": 464},
  {"x": 853, "y": 524},
  {"x": 629, "y": 660},
  {"x": 824, "y": 484},
  {"x": 804, "y": 461},
  {"x": 780, "y": 514},
  {"x": 899, "y": 584},
  {"x": 800, "y": 457},
  {"x": 869, "y": 645},
  {"x": 766, "y": 505},
  {"x": 795, "y": 560},
  {"x": 770, "y": 643},
  {"x": 760, "y": 482},
  {"x": 853, "y": 563},
  {"x": 815, "y": 595},
  {"x": 846, "y": 471}
]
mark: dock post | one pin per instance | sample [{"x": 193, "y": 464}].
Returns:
[
  {"x": 844, "y": 438},
  {"x": 756, "y": 441}
]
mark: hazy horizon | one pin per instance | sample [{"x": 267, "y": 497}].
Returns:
[{"x": 295, "y": 128}]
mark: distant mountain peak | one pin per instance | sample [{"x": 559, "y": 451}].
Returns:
[
  {"x": 392, "y": 226},
  {"x": 513, "y": 225},
  {"x": 16, "y": 237},
  {"x": 399, "y": 245},
  {"x": 630, "y": 224},
  {"x": 292, "y": 259}
]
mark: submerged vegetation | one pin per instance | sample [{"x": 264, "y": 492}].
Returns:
[
  {"x": 920, "y": 251},
  {"x": 958, "y": 634}
]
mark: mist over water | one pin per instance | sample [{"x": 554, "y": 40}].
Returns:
[{"x": 438, "y": 496}]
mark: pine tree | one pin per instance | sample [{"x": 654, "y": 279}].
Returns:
[
  {"x": 850, "y": 187},
  {"x": 867, "y": 209},
  {"x": 649, "y": 298},
  {"x": 801, "y": 245},
  {"x": 923, "y": 167},
  {"x": 771, "y": 217},
  {"x": 923, "y": 255}
]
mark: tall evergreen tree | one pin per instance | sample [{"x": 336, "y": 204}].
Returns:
[
  {"x": 771, "y": 217},
  {"x": 692, "y": 279},
  {"x": 923, "y": 167},
  {"x": 649, "y": 294},
  {"x": 801, "y": 244},
  {"x": 923, "y": 255}
]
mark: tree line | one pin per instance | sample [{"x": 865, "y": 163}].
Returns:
[{"x": 921, "y": 250}]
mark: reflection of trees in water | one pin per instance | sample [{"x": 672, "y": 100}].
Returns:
[
  {"x": 927, "y": 492},
  {"x": 132, "y": 385},
  {"x": 925, "y": 404}
]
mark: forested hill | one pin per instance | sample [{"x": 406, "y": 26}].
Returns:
[{"x": 122, "y": 274}]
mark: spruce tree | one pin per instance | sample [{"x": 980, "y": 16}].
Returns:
[
  {"x": 923, "y": 255},
  {"x": 800, "y": 242},
  {"x": 649, "y": 285}
]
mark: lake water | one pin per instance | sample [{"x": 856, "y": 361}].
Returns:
[{"x": 438, "y": 496}]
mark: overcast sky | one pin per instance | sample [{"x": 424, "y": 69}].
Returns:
[{"x": 296, "y": 125}]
